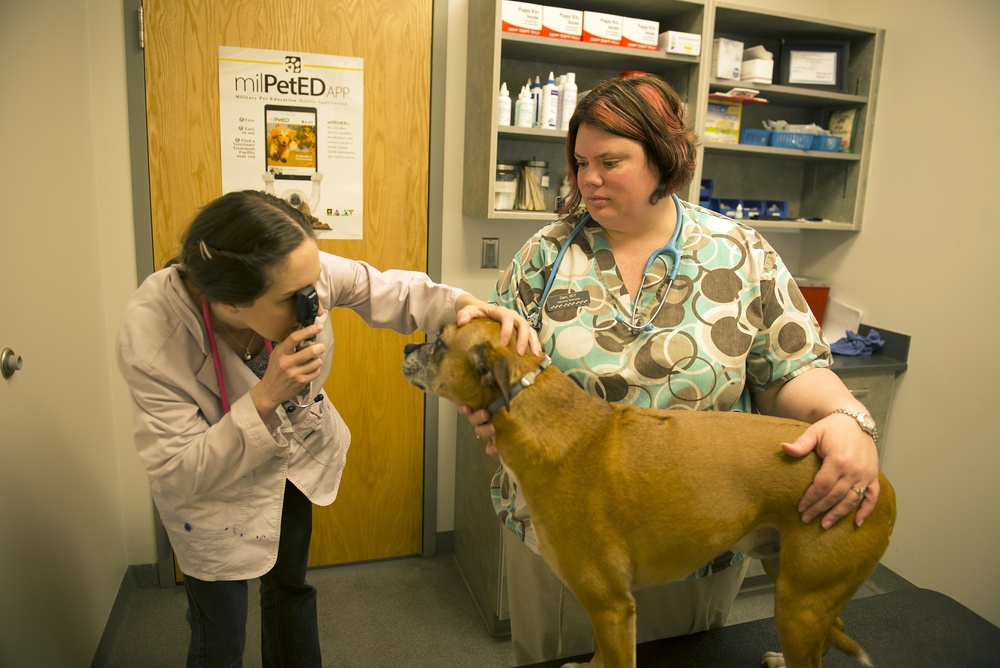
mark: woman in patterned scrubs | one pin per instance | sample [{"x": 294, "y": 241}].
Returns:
[{"x": 732, "y": 332}]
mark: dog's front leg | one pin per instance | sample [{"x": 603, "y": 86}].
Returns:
[{"x": 613, "y": 623}]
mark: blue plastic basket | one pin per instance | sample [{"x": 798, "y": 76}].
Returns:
[
  {"x": 800, "y": 140},
  {"x": 754, "y": 137},
  {"x": 826, "y": 143}
]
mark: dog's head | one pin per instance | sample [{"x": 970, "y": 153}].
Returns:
[
  {"x": 467, "y": 364},
  {"x": 281, "y": 136}
]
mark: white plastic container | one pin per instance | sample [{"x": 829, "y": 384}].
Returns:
[
  {"x": 524, "y": 109},
  {"x": 567, "y": 103},
  {"x": 503, "y": 105},
  {"x": 548, "y": 111}
]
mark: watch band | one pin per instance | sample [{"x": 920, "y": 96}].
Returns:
[{"x": 865, "y": 421}]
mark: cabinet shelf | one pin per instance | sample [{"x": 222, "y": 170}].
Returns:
[
  {"x": 583, "y": 54},
  {"x": 790, "y": 95},
  {"x": 783, "y": 153}
]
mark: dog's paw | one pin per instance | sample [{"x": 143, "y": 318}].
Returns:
[{"x": 773, "y": 660}]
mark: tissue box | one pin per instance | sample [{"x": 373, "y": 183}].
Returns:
[
  {"x": 522, "y": 18},
  {"x": 601, "y": 28},
  {"x": 560, "y": 23},
  {"x": 758, "y": 70},
  {"x": 727, "y": 57},
  {"x": 722, "y": 123},
  {"x": 640, "y": 34},
  {"x": 683, "y": 43}
]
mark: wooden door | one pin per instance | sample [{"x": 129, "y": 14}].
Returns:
[{"x": 378, "y": 512}]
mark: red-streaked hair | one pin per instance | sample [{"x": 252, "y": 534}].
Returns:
[{"x": 646, "y": 109}]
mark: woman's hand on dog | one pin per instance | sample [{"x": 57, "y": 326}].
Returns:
[
  {"x": 850, "y": 461},
  {"x": 484, "y": 430},
  {"x": 510, "y": 320}
]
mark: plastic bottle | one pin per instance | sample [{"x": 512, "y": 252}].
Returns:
[
  {"x": 563, "y": 194},
  {"x": 548, "y": 113},
  {"x": 524, "y": 110},
  {"x": 739, "y": 212},
  {"x": 536, "y": 101},
  {"x": 503, "y": 105},
  {"x": 560, "y": 82},
  {"x": 567, "y": 103}
]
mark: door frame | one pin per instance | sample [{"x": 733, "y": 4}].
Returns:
[{"x": 143, "y": 220}]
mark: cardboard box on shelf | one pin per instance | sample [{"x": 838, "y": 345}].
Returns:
[
  {"x": 522, "y": 18},
  {"x": 640, "y": 33},
  {"x": 684, "y": 43},
  {"x": 722, "y": 123},
  {"x": 601, "y": 28},
  {"x": 560, "y": 23},
  {"x": 758, "y": 70},
  {"x": 727, "y": 57}
]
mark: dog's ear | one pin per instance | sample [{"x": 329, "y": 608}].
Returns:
[{"x": 493, "y": 369}]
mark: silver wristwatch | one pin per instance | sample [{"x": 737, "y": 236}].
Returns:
[{"x": 864, "y": 420}]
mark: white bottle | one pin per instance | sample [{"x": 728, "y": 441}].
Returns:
[
  {"x": 548, "y": 114},
  {"x": 560, "y": 82},
  {"x": 503, "y": 106},
  {"x": 536, "y": 101},
  {"x": 567, "y": 103},
  {"x": 524, "y": 109}
]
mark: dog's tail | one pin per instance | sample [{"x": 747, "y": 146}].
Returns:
[{"x": 846, "y": 644}]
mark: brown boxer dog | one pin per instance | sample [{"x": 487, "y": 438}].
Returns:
[{"x": 623, "y": 498}]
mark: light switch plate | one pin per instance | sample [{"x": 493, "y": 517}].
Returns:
[{"x": 491, "y": 253}]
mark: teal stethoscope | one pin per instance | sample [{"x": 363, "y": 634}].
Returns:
[{"x": 535, "y": 314}]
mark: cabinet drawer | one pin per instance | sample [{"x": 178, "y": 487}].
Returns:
[{"x": 873, "y": 390}]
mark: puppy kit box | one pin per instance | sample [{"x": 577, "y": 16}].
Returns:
[
  {"x": 680, "y": 43},
  {"x": 521, "y": 18},
  {"x": 757, "y": 65},
  {"x": 640, "y": 33},
  {"x": 601, "y": 28},
  {"x": 727, "y": 57},
  {"x": 722, "y": 123},
  {"x": 559, "y": 23}
]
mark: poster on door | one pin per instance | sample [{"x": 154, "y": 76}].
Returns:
[{"x": 291, "y": 125}]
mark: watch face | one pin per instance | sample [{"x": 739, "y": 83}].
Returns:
[{"x": 867, "y": 421}]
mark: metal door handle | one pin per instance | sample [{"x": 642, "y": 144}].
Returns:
[{"x": 10, "y": 362}]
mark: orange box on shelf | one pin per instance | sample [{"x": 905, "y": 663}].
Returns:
[
  {"x": 521, "y": 18},
  {"x": 640, "y": 34},
  {"x": 560, "y": 23},
  {"x": 601, "y": 28}
]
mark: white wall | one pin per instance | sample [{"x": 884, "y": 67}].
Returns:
[{"x": 934, "y": 170}]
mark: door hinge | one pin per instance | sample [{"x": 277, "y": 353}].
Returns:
[{"x": 142, "y": 33}]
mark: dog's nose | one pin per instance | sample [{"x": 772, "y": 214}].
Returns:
[{"x": 410, "y": 347}]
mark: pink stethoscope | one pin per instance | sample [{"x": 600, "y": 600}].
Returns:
[{"x": 207, "y": 317}]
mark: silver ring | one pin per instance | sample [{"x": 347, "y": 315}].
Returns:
[{"x": 859, "y": 491}]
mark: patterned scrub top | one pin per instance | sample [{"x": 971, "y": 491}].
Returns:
[{"x": 732, "y": 323}]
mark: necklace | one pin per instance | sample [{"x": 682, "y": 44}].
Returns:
[{"x": 247, "y": 355}]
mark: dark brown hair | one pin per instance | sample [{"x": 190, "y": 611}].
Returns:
[
  {"x": 231, "y": 246},
  {"x": 644, "y": 108}
]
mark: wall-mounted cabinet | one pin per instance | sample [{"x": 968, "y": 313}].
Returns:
[
  {"x": 820, "y": 185},
  {"x": 827, "y": 186},
  {"x": 495, "y": 56}
]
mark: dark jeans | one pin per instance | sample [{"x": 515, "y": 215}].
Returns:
[{"x": 289, "y": 630}]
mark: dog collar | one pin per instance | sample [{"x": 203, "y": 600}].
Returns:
[{"x": 527, "y": 380}]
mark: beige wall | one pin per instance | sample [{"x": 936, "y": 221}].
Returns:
[{"x": 933, "y": 179}]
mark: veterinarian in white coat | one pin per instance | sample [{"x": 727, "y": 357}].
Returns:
[
  {"x": 236, "y": 454},
  {"x": 652, "y": 301}
]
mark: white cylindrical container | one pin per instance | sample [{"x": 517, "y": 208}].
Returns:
[
  {"x": 503, "y": 105},
  {"x": 567, "y": 104},
  {"x": 548, "y": 114},
  {"x": 524, "y": 109}
]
